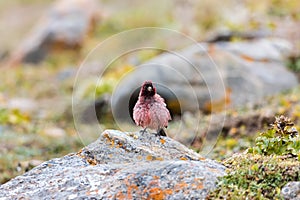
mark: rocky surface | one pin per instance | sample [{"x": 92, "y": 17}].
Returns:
[
  {"x": 120, "y": 166},
  {"x": 291, "y": 190},
  {"x": 65, "y": 25},
  {"x": 289, "y": 30},
  {"x": 209, "y": 75}
]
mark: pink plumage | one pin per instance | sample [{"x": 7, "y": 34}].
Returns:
[{"x": 150, "y": 110}]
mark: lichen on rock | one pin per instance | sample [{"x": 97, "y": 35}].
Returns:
[{"x": 121, "y": 166}]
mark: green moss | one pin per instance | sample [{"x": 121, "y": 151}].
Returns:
[
  {"x": 262, "y": 170},
  {"x": 256, "y": 176}
]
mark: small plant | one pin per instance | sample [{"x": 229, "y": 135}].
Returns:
[
  {"x": 261, "y": 171},
  {"x": 256, "y": 177},
  {"x": 294, "y": 64},
  {"x": 281, "y": 139}
]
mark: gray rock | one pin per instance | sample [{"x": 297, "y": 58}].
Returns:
[
  {"x": 289, "y": 30},
  {"x": 260, "y": 49},
  {"x": 206, "y": 75},
  {"x": 120, "y": 166},
  {"x": 64, "y": 26},
  {"x": 291, "y": 190}
]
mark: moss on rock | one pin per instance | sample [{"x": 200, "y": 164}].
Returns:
[{"x": 262, "y": 170}]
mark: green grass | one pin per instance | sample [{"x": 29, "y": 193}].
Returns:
[{"x": 263, "y": 169}]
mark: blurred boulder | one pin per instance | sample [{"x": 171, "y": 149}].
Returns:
[
  {"x": 120, "y": 166},
  {"x": 64, "y": 26},
  {"x": 210, "y": 76},
  {"x": 289, "y": 29}
]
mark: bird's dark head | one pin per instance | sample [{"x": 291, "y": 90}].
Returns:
[{"x": 147, "y": 89}]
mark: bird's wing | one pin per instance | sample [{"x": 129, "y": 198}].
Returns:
[{"x": 140, "y": 116}]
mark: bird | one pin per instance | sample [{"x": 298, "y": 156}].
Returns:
[{"x": 150, "y": 111}]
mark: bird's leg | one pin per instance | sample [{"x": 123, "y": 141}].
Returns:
[{"x": 144, "y": 130}]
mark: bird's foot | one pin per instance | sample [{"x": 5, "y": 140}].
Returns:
[
  {"x": 161, "y": 132},
  {"x": 143, "y": 131}
]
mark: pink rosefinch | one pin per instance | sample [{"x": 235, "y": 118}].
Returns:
[{"x": 150, "y": 110}]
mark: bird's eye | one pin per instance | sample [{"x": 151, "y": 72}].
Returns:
[{"x": 149, "y": 88}]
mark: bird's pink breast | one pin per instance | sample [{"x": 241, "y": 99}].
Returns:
[{"x": 151, "y": 113}]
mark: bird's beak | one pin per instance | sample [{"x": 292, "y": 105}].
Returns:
[{"x": 149, "y": 89}]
